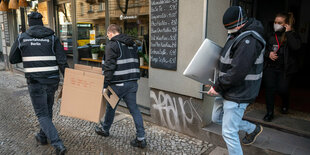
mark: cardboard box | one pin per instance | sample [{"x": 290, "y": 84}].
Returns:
[{"x": 82, "y": 93}]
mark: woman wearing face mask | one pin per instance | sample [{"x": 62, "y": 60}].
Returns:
[{"x": 280, "y": 62}]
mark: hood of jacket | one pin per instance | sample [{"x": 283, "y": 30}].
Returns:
[
  {"x": 253, "y": 24},
  {"x": 38, "y": 31},
  {"x": 123, "y": 38}
]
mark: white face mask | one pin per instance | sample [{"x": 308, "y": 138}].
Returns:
[
  {"x": 232, "y": 31},
  {"x": 277, "y": 27}
]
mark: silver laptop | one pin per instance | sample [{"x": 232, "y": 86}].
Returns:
[{"x": 203, "y": 67}]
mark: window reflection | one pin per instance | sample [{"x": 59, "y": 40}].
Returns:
[
  {"x": 90, "y": 22},
  {"x": 65, "y": 26}
]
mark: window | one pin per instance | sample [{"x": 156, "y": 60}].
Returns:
[
  {"x": 82, "y": 8},
  {"x": 65, "y": 26},
  {"x": 101, "y": 7},
  {"x": 90, "y": 8}
]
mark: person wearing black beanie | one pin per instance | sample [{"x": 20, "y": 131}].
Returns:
[
  {"x": 239, "y": 79},
  {"x": 234, "y": 16},
  {"x": 35, "y": 18},
  {"x": 43, "y": 58}
]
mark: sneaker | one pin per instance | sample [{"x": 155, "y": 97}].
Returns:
[
  {"x": 250, "y": 138},
  {"x": 138, "y": 143},
  {"x": 101, "y": 132},
  {"x": 40, "y": 139}
]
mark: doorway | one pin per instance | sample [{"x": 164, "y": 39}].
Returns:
[{"x": 298, "y": 119}]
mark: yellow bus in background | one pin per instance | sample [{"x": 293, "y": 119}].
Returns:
[
  {"x": 84, "y": 33},
  {"x": 83, "y": 28}
]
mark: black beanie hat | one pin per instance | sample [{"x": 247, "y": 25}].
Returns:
[
  {"x": 35, "y": 18},
  {"x": 234, "y": 17}
]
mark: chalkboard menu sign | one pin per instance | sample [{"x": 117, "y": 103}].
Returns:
[
  {"x": 164, "y": 34},
  {"x": 6, "y": 28}
]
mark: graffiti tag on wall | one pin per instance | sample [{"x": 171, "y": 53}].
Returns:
[{"x": 175, "y": 112}]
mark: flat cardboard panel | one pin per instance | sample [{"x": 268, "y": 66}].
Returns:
[
  {"x": 93, "y": 75},
  {"x": 97, "y": 70},
  {"x": 91, "y": 69},
  {"x": 82, "y": 95},
  {"x": 71, "y": 71},
  {"x": 82, "y": 104},
  {"x": 82, "y": 67},
  {"x": 83, "y": 80},
  {"x": 112, "y": 99}
]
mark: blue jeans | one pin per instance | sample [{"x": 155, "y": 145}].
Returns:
[
  {"x": 128, "y": 92},
  {"x": 229, "y": 114},
  {"x": 42, "y": 97}
]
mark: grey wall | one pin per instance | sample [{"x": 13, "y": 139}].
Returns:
[
  {"x": 192, "y": 20},
  {"x": 174, "y": 102},
  {"x": 143, "y": 94},
  {"x": 177, "y": 112},
  {"x": 190, "y": 36},
  {"x": 215, "y": 28}
]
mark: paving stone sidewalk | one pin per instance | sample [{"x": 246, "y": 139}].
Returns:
[{"x": 18, "y": 125}]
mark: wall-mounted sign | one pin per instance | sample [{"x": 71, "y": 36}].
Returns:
[
  {"x": 127, "y": 17},
  {"x": 83, "y": 25}
]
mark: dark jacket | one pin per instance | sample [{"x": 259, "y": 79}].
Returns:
[
  {"x": 287, "y": 54},
  {"x": 39, "y": 42},
  {"x": 237, "y": 84},
  {"x": 123, "y": 61}
]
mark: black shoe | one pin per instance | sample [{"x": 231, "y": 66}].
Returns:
[
  {"x": 284, "y": 110},
  {"x": 138, "y": 143},
  {"x": 101, "y": 132},
  {"x": 250, "y": 138},
  {"x": 41, "y": 140},
  {"x": 60, "y": 150},
  {"x": 268, "y": 117}
]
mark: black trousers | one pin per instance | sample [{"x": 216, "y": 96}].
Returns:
[
  {"x": 276, "y": 82},
  {"x": 42, "y": 97}
]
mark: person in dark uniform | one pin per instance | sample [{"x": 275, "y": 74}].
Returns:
[
  {"x": 43, "y": 57},
  {"x": 239, "y": 80},
  {"x": 121, "y": 71},
  {"x": 280, "y": 62}
]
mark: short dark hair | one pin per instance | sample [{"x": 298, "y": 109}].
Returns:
[{"x": 114, "y": 28}]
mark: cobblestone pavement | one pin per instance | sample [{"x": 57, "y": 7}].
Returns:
[{"x": 18, "y": 125}]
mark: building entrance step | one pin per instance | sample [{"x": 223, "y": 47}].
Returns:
[
  {"x": 270, "y": 141},
  {"x": 286, "y": 123}
]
